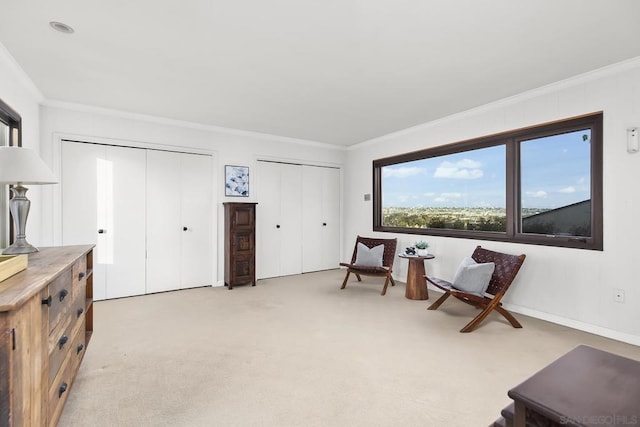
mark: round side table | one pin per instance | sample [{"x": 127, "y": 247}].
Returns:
[{"x": 416, "y": 283}]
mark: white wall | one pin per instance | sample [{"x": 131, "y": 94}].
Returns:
[
  {"x": 22, "y": 96},
  {"x": 566, "y": 286},
  {"x": 228, "y": 147}
]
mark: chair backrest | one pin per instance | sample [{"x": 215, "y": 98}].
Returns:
[
  {"x": 507, "y": 266},
  {"x": 389, "y": 249}
]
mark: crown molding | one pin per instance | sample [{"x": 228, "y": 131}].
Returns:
[{"x": 184, "y": 124}]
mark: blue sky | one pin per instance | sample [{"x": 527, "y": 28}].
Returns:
[{"x": 555, "y": 172}]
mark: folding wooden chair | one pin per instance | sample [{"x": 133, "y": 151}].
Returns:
[
  {"x": 506, "y": 268},
  {"x": 384, "y": 270}
]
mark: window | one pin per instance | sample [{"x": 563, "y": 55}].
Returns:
[
  {"x": 539, "y": 185},
  {"x": 10, "y": 134}
]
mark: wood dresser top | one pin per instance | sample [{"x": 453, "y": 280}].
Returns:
[
  {"x": 44, "y": 266},
  {"x": 585, "y": 387}
]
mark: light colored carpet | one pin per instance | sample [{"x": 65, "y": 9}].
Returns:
[{"x": 298, "y": 351}]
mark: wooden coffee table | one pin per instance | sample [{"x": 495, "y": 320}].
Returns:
[{"x": 416, "y": 283}]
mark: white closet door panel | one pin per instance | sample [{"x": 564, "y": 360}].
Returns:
[
  {"x": 79, "y": 178},
  {"x": 291, "y": 219},
  {"x": 268, "y": 253},
  {"x": 312, "y": 217},
  {"x": 331, "y": 217},
  {"x": 197, "y": 247},
  {"x": 164, "y": 232},
  {"x": 125, "y": 220}
]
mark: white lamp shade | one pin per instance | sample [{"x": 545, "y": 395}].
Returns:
[{"x": 23, "y": 165}]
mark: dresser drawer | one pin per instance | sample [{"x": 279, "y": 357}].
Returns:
[
  {"x": 60, "y": 297},
  {"x": 59, "y": 389},
  {"x": 79, "y": 276},
  {"x": 60, "y": 340}
]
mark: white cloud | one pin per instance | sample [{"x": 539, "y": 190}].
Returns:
[
  {"x": 568, "y": 189},
  {"x": 401, "y": 172},
  {"x": 464, "y": 169},
  {"x": 429, "y": 194},
  {"x": 538, "y": 194},
  {"x": 452, "y": 195},
  {"x": 447, "y": 197}
]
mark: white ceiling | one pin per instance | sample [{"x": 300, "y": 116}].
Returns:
[{"x": 333, "y": 71}]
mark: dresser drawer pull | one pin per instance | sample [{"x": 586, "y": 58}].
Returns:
[
  {"x": 63, "y": 294},
  {"x": 80, "y": 311},
  {"x": 79, "y": 348},
  {"x": 62, "y": 389},
  {"x": 63, "y": 340},
  {"x": 81, "y": 275},
  {"x": 47, "y": 301}
]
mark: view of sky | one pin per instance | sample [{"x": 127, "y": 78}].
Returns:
[{"x": 555, "y": 172}]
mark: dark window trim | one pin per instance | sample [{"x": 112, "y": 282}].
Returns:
[
  {"x": 11, "y": 118},
  {"x": 511, "y": 140}
]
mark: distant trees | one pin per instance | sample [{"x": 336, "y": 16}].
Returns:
[{"x": 454, "y": 219}]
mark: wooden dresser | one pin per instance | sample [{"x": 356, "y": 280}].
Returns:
[
  {"x": 46, "y": 321},
  {"x": 239, "y": 244}
]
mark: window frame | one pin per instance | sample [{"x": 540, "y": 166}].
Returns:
[
  {"x": 511, "y": 140},
  {"x": 13, "y": 120}
]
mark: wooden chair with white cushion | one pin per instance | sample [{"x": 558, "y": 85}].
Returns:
[
  {"x": 372, "y": 257},
  {"x": 481, "y": 281}
]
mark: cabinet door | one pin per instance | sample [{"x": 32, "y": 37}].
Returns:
[
  {"x": 279, "y": 220},
  {"x": 321, "y": 218},
  {"x": 103, "y": 203}
]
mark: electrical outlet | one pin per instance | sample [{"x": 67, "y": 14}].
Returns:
[{"x": 618, "y": 295}]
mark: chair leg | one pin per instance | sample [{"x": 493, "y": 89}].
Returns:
[
  {"x": 358, "y": 276},
  {"x": 393, "y": 282},
  {"x": 479, "y": 318},
  {"x": 514, "y": 322},
  {"x": 439, "y": 302},
  {"x": 344, "y": 283},
  {"x": 386, "y": 283}
]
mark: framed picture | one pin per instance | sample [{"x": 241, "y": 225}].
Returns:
[{"x": 236, "y": 181}]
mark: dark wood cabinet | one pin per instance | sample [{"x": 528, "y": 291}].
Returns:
[{"x": 239, "y": 244}]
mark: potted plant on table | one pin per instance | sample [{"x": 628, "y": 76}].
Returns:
[{"x": 421, "y": 248}]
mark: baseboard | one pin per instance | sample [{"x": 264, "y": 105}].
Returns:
[{"x": 575, "y": 324}]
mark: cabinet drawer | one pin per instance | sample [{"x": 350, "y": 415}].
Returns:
[
  {"x": 79, "y": 275},
  {"x": 78, "y": 347},
  {"x": 60, "y": 340},
  {"x": 59, "y": 390},
  {"x": 60, "y": 298}
]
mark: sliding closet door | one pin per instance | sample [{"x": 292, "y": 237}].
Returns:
[
  {"x": 164, "y": 231},
  {"x": 197, "y": 218},
  {"x": 321, "y": 218},
  {"x": 103, "y": 203},
  {"x": 126, "y": 223},
  {"x": 279, "y": 220},
  {"x": 179, "y": 221}
]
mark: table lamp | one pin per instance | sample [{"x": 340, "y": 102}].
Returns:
[{"x": 22, "y": 166}]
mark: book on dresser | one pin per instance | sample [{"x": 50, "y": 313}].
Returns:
[{"x": 46, "y": 322}]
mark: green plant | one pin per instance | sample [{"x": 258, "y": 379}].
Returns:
[{"x": 421, "y": 245}]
